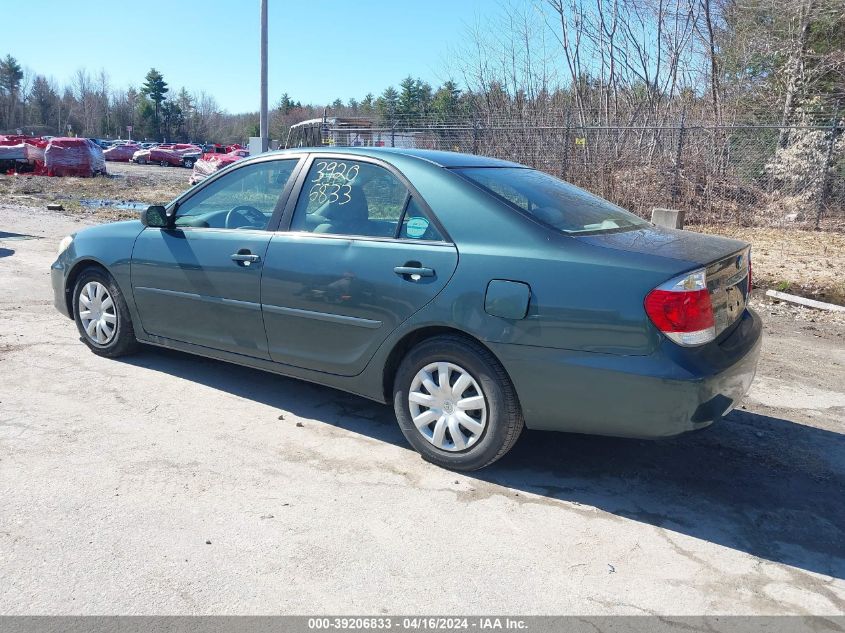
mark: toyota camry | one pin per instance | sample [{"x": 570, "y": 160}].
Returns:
[{"x": 476, "y": 295}]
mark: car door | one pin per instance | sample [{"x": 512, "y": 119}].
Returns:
[
  {"x": 362, "y": 254},
  {"x": 200, "y": 282}
]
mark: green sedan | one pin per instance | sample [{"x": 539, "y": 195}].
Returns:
[{"x": 477, "y": 295}]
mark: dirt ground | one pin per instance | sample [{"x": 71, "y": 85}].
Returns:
[
  {"x": 168, "y": 484},
  {"x": 805, "y": 263}
]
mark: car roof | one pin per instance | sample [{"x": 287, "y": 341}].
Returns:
[{"x": 449, "y": 160}]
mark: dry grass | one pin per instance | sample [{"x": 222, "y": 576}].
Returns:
[
  {"x": 135, "y": 183},
  {"x": 806, "y": 263}
]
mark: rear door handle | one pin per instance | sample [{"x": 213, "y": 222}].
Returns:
[{"x": 414, "y": 272}]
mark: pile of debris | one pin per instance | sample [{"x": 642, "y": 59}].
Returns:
[{"x": 56, "y": 156}]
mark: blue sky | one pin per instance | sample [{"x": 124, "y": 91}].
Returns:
[{"x": 318, "y": 49}]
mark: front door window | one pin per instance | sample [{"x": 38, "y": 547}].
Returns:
[{"x": 245, "y": 198}]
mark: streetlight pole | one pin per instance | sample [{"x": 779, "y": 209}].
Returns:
[{"x": 263, "y": 122}]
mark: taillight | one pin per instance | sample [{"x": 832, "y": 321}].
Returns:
[{"x": 681, "y": 309}]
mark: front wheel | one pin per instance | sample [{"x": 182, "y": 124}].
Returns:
[
  {"x": 164, "y": 163},
  {"x": 455, "y": 404},
  {"x": 188, "y": 163},
  {"x": 101, "y": 314}
]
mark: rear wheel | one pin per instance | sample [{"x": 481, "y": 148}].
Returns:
[
  {"x": 163, "y": 163},
  {"x": 101, "y": 314},
  {"x": 455, "y": 403}
]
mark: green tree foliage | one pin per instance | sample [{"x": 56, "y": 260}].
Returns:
[
  {"x": 387, "y": 103},
  {"x": 155, "y": 88},
  {"x": 414, "y": 97},
  {"x": 172, "y": 120},
  {"x": 368, "y": 104},
  {"x": 11, "y": 75},
  {"x": 44, "y": 107},
  {"x": 286, "y": 104},
  {"x": 447, "y": 100}
]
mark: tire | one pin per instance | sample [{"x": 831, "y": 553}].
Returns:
[
  {"x": 188, "y": 163},
  {"x": 164, "y": 163},
  {"x": 118, "y": 341},
  {"x": 497, "y": 426}
]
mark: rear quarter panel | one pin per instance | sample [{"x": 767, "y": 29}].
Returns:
[{"x": 583, "y": 297}]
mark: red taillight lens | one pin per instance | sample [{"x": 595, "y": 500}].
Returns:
[{"x": 682, "y": 310}]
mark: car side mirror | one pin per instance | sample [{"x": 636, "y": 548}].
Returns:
[{"x": 155, "y": 216}]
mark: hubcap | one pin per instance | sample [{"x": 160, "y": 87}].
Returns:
[
  {"x": 447, "y": 406},
  {"x": 97, "y": 313}
]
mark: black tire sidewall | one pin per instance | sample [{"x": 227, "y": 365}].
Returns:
[
  {"x": 466, "y": 355},
  {"x": 124, "y": 338}
]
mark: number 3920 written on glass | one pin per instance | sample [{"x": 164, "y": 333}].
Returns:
[{"x": 333, "y": 183}]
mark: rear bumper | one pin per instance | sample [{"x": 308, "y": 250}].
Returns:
[{"x": 672, "y": 391}]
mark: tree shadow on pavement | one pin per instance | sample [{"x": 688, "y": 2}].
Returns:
[{"x": 763, "y": 485}]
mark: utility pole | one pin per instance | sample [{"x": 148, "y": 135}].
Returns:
[{"x": 263, "y": 122}]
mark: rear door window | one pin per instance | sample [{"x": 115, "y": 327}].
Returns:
[
  {"x": 357, "y": 198},
  {"x": 417, "y": 225},
  {"x": 348, "y": 197}
]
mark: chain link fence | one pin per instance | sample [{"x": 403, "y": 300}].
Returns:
[{"x": 749, "y": 174}]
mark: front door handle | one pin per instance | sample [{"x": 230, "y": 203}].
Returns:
[
  {"x": 245, "y": 258},
  {"x": 414, "y": 272}
]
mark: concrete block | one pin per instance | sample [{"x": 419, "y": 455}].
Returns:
[{"x": 670, "y": 218}]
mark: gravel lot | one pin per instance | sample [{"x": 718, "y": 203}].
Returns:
[{"x": 170, "y": 484}]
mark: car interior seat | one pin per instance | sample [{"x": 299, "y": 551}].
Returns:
[{"x": 349, "y": 218}]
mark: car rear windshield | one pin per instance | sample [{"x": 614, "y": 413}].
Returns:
[{"x": 552, "y": 201}]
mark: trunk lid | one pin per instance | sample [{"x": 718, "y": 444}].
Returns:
[
  {"x": 725, "y": 260},
  {"x": 687, "y": 246},
  {"x": 727, "y": 282}
]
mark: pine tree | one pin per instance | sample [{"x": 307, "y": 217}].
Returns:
[
  {"x": 11, "y": 75},
  {"x": 155, "y": 88},
  {"x": 386, "y": 104}
]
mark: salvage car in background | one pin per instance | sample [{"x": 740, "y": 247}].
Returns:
[
  {"x": 169, "y": 155},
  {"x": 122, "y": 152},
  {"x": 210, "y": 163},
  {"x": 476, "y": 295}
]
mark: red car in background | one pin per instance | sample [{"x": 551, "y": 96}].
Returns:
[
  {"x": 122, "y": 153},
  {"x": 168, "y": 155}
]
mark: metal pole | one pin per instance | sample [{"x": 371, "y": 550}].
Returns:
[
  {"x": 676, "y": 168},
  {"x": 263, "y": 122},
  {"x": 828, "y": 164}
]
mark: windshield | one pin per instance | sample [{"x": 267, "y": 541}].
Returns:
[{"x": 552, "y": 201}]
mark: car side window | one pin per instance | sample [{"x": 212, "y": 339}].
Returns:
[
  {"x": 504, "y": 190},
  {"x": 348, "y": 197},
  {"x": 417, "y": 225},
  {"x": 242, "y": 199}
]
